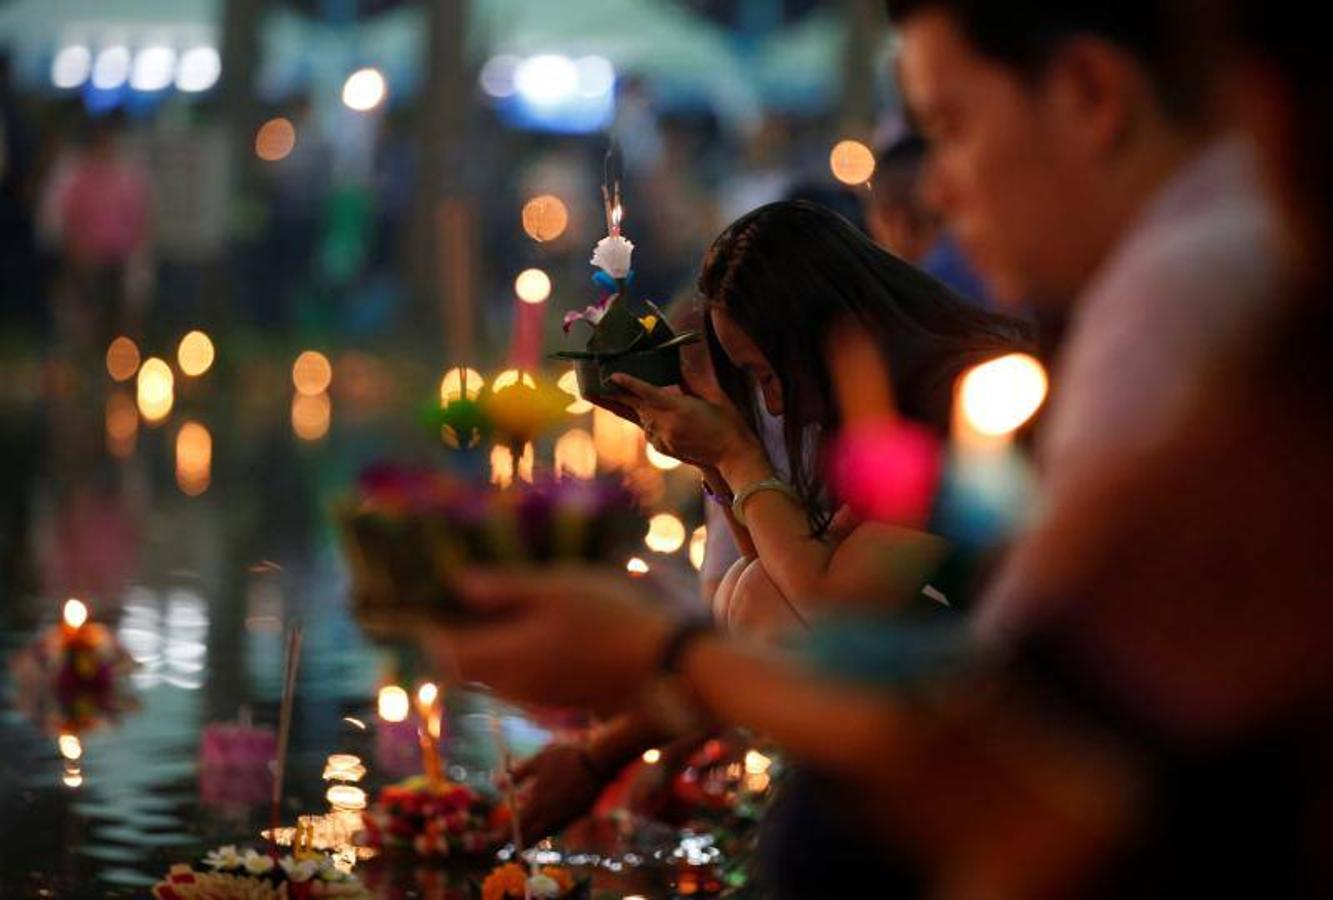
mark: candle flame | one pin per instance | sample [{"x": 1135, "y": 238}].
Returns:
[
  {"x": 393, "y": 703},
  {"x": 428, "y": 693},
  {"x": 76, "y": 613},
  {"x": 70, "y": 746}
]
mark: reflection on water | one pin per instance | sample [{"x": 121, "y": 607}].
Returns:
[{"x": 196, "y": 540}]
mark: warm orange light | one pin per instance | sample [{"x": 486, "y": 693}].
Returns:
[
  {"x": 652, "y": 757},
  {"x": 756, "y": 763},
  {"x": 660, "y": 460},
  {"x": 346, "y": 797},
  {"x": 122, "y": 425},
  {"x": 393, "y": 703},
  {"x": 70, "y": 746},
  {"x": 311, "y": 416},
  {"x": 852, "y": 162},
  {"x": 618, "y": 442},
  {"x": 312, "y": 373},
  {"x": 636, "y": 567},
  {"x": 75, "y": 613},
  {"x": 569, "y": 383},
  {"x": 122, "y": 359},
  {"x": 698, "y": 545},
  {"x": 545, "y": 217},
  {"x": 458, "y": 382},
  {"x": 427, "y": 694},
  {"x": 666, "y": 533},
  {"x": 532, "y": 286},
  {"x": 275, "y": 140},
  {"x": 344, "y": 767},
  {"x": 575, "y": 454},
  {"x": 997, "y": 397},
  {"x": 72, "y": 778},
  {"x": 156, "y": 390},
  {"x": 194, "y": 458},
  {"x": 502, "y": 465},
  {"x": 510, "y": 377},
  {"x": 195, "y": 354}
]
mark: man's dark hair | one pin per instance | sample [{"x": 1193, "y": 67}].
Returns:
[{"x": 1025, "y": 34}]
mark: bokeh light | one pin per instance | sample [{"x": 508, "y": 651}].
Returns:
[
  {"x": 698, "y": 545},
  {"x": 852, "y": 162},
  {"x": 652, "y": 757},
  {"x": 576, "y": 454},
  {"x": 344, "y": 767},
  {"x": 195, "y": 354},
  {"x": 618, "y": 442},
  {"x": 72, "y": 777},
  {"x": 71, "y": 67},
  {"x": 156, "y": 390},
  {"x": 312, "y": 414},
  {"x": 111, "y": 68},
  {"x": 532, "y": 286},
  {"x": 454, "y": 381},
  {"x": 545, "y": 217},
  {"x": 122, "y": 425},
  {"x": 154, "y": 68},
  {"x": 502, "y": 465},
  {"x": 393, "y": 703},
  {"x": 122, "y": 359},
  {"x": 497, "y": 76},
  {"x": 364, "y": 90},
  {"x": 999, "y": 396},
  {"x": 194, "y": 458},
  {"x": 428, "y": 693},
  {"x": 660, "y": 460},
  {"x": 74, "y": 613},
  {"x": 636, "y": 567},
  {"x": 346, "y": 797},
  {"x": 569, "y": 383},
  {"x": 510, "y": 377},
  {"x": 666, "y": 533},
  {"x": 312, "y": 373},
  {"x": 199, "y": 69},
  {"x": 546, "y": 79},
  {"x": 70, "y": 746},
  {"x": 275, "y": 140}
]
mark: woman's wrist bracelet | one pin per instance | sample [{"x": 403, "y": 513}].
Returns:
[{"x": 763, "y": 484}]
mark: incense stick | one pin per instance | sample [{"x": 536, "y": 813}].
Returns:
[{"x": 284, "y": 728}]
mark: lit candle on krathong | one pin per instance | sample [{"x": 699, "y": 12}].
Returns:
[
  {"x": 989, "y": 479},
  {"x": 430, "y": 711}
]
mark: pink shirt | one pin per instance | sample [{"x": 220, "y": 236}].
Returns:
[{"x": 1180, "y": 292}]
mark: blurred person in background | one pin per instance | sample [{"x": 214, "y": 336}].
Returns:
[
  {"x": 98, "y": 208},
  {"x": 901, "y": 223}
]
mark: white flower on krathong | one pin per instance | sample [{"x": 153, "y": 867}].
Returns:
[
  {"x": 612, "y": 255},
  {"x": 301, "y": 870},
  {"x": 257, "y": 863},
  {"x": 543, "y": 886},
  {"x": 223, "y": 858}
]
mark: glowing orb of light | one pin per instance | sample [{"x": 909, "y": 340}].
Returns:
[
  {"x": 364, "y": 90},
  {"x": 698, "y": 543},
  {"x": 70, "y": 746},
  {"x": 636, "y": 567},
  {"x": 545, "y": 217},
  {"x": 652, "y": 757},
  {"x": 75, "y": 613},
  {"x": 122, "y": 359},
  {"x": 393, "y": 703},
  {"x": 195, "y": 354},
  {"x": 452, "y": 385},
  {"x": 275, "y": 140},
  {"x": 666, "y": 533},
  {"x": 532, "y": 286},
  {"x": 312, "y": 373},
  {"x": 999, "y": 396},
  {"x": 569, "y": 383},
  {"x": 156, "y": 390},
  {"x": 852, "y": 162}
]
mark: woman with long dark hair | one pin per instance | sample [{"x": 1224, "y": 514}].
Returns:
[{"x": 775, "y": 287}]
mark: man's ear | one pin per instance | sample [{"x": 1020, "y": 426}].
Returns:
[{"x": 1096, "y": 91}]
